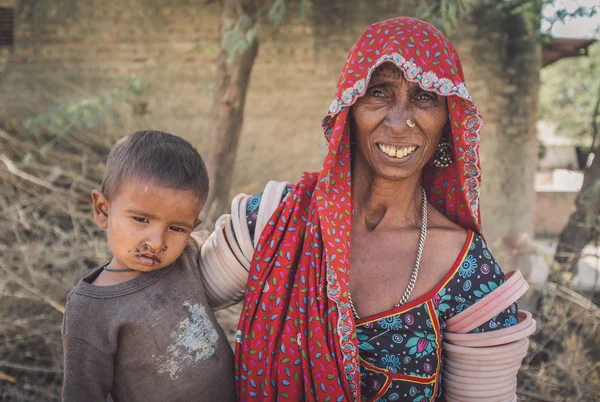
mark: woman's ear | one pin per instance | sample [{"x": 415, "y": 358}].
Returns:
[{"x": 100, "y": 209}]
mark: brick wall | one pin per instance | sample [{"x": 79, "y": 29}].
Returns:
[
  {"x": 5, "y": 51},
  {"x": 66, "y": 48},
  {"x": 502, "y": 71}
]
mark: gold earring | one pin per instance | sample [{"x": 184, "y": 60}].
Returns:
[{"x": 410, "y": 123}]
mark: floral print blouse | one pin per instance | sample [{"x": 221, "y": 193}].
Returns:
[{"x": 400, "y": 349}]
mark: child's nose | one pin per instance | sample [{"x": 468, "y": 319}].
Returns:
[{"x": 156, "y": 241}]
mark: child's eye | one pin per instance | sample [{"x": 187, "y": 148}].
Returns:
[
  {"x": 177, "y": 229},
  {"x": 140, "y": 219}
]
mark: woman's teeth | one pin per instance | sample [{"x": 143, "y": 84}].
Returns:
[{"x": 396, "y": 152}]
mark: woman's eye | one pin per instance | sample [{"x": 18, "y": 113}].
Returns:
[
  {"x": 177, "y": 229},
  {"x": 140, "y": 219},
  {"x": 425, "y": 96},
  {"x": 377, "y": 93}
]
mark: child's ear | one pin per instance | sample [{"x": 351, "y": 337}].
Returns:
[{"x": 100, "y": 209}]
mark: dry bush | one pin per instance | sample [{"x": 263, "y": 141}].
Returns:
[
  {"x": 48, "y": 241},
  {"x": 48, "y": 167},
  {"x": 563, "y": 361}
]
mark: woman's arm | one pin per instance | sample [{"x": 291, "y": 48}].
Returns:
[
  {"x": 477, "y": 276},
  {"x": 481, "y": 331},
  {"x": 226, "y": 256}
]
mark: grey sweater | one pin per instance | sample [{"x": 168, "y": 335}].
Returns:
[{"x": 153, "y": 338}]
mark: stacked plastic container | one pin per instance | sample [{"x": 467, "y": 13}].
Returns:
[
  {"x": 483, "y": 366},
  {"x": 227, "y": 253}
]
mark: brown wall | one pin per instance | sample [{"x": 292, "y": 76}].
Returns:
[
  {"x": 68, "y": 47},
  {"x": 552, "y": 211},
  {"x": 502, "y": 70}
]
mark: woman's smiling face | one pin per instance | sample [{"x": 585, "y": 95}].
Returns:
[{"x": 384, "y": 141}]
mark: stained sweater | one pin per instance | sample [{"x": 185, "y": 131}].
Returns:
[{"x": 153, "y": 338}]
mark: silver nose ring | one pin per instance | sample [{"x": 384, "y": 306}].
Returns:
[{"x": 410, "y": 123}]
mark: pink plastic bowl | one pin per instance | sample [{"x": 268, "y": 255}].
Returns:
[
  {"x": 524, "y": 328},
  {"x": 469, "y": 379},
  {"x": 505, "y": 392},
  {"x": 460, "y": 367},
  {"x": 475, "y": 386},
  {"x": 483, "y": 375},
  {"x": 502, "y": 398},
  {"x": 491, "y": 305},
  {"x": 478, "y": 362},
  {"x": 502, "y": 350}
]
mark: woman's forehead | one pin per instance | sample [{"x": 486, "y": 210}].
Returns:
[{"x": 387, "y": 73}]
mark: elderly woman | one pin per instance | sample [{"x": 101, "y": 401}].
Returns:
[{"x": 355, "y": 271}]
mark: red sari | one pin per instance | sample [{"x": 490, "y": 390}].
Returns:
[{"x": 296, "y": 336}]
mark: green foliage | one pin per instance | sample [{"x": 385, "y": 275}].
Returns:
[
  {"x": 134, "y": 85},
  {"x": 83, "y": 113},
  {"x": 528, "y": 11},
  {"x": 542, "y": 150},
  {"x": 589, "y": 199},
  {"x": 444, "y": 14},
  {"x": 276, "y": 13},
  {"x": 209, "y": 48},
  {"x": 563, "y": 15},
  {"x": 238, "y": 36},
  {"x": 569, "y": 92},
  {"x": 304, "y": 6}
]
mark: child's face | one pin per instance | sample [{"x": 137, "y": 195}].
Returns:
[{"x": 147, "y": 225}]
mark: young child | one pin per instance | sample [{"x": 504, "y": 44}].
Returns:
[{"x": 140, "y": 328}]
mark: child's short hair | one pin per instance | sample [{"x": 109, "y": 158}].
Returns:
[{"x": 158, "y": 157}]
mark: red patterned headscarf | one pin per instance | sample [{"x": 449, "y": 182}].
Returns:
[{"x": 296, "y": 336}]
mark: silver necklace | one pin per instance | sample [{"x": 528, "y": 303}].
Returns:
[{"x": 415, "y": 271}]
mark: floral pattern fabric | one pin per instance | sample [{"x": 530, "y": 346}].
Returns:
[
  {"x": 400, "y": 349},
  {"x": 297, "y": 339}
]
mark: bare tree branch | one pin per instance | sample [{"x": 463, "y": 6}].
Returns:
[
  {"x": 26, "y": 176},
  {"x": 45, "y": 298},
  {"x": 26, "y": 367}
]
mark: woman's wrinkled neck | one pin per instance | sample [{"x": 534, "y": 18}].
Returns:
[{"x": 379, "y": 202}]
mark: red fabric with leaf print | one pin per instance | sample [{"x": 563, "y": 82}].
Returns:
[{"x": 296, "y": 336}]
